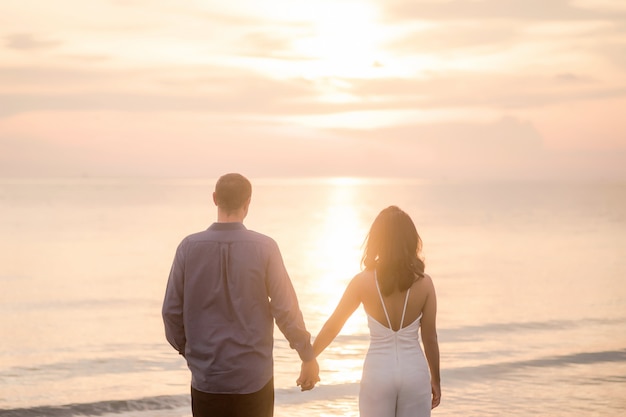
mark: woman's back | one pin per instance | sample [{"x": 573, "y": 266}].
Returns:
[
  {"x": 394, "y": 302},
  {"x": 396, "y": 380},
  {"x": 399, "y": 378}
]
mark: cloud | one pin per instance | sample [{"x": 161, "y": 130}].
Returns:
[
  {"x": 22, "y": 155},
  {"x": 446, "y": 69},
  {"x": 105, "y": 144},
  {"x": 467, "y": 89},
  {"x": 247, "y": 93},
  {"x": 507, "y": 146},
  {"x": 267, "y": 44},
  {"x": 101, "y": 143},
  {"x": 455, "y": 36},
  {"x": 568, "y": 77},
  {"x": 529, "y": 10},
  {"x": 27, "y": 42},
  {"x": 614, "y": 51},
  {"x": 51, "y": 77},
  {"x": 210, "y": 89},
  {"x": 226, "y": 90}
]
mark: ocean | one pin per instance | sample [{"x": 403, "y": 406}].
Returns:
[{"x": 530, "y": 278}]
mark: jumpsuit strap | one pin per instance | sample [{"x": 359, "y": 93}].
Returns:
[
  {"x": 406, "y": 301},
  {"x": 382, "y": 301}
]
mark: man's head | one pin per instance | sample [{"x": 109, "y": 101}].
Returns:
[{"x": 232, "y": 193}]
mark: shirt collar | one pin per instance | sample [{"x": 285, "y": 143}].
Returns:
[{"x": 227, "y": 226}]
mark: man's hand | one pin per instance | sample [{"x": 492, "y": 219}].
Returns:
[{"x": 309, "y": 375}]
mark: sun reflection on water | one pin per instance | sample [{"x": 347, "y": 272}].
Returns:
[
  {"x": 335, "y": 249},
  {"x": 336, "y": 242}
]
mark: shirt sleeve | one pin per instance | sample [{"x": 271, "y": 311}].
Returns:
[
  {"x": 284, "y": 306},
  {"x": 173, "y": 303}
]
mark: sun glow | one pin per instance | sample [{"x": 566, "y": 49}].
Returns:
[
  {"x": 339, "y": 236},
  {"x": 338, "y": 242},
  {"x": 336, "y": 245},
  {"x": 346, "y": 40}
]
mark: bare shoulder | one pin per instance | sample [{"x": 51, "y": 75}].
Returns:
[
  {"x": 426, "y": 282},
  {"x": 362, "y": 280}
]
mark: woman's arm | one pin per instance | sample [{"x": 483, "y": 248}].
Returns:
[
  {"x": 431, "y": 344},
  {"x": 347, "y": 305}
]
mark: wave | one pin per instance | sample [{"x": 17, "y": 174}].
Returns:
[
  {"x": 90, "y": 367},
  {"x": 323, "y": 392},
  {"x": 163, "y": 402},
  {"x": 171, "y": 402},
  {"x": 471, "y": 332},
  {"x": 497, "y": 369},
  {"x": 479, "y": 331}
]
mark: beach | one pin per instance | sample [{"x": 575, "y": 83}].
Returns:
[{"x": 529, "y": 277}]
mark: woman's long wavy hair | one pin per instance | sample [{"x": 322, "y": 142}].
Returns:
[{"x": 393, "y": 249}]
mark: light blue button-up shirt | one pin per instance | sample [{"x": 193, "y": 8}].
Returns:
[{"x": 226, "y": 287}]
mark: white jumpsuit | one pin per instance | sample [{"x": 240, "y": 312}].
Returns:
[{"x": 396, "y": 380}]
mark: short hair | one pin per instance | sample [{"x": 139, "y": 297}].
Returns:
[
  {"x": 232, "y": 191},
  {"x": 393, "y": 248}
]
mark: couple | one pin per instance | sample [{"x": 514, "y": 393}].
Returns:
[{"x": 228, "y": 284}]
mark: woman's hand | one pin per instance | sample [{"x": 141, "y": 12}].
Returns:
[
  {"x": 436, "y": 390},
  {"x": 309, "y": 375}
]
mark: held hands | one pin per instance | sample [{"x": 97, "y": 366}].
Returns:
[{"x": 309, "y": 375}]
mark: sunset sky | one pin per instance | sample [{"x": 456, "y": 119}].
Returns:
[{"x": 395, "y": 88}]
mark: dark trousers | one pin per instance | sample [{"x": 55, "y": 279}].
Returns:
[{"x": 256, "y": 404}]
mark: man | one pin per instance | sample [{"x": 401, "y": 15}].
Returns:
[{"x": 227, "y": 286}]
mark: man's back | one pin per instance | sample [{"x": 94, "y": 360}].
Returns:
[
  {"x": 225, "y": 277},
  {"x": 226, "y": 287}
]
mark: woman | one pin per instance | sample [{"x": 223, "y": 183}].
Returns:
[{"x": 398, "y": 298}]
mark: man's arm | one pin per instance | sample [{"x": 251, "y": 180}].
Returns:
[
  {"x": 173, "y": 303},
  {"x": 286, "y": 311}
]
